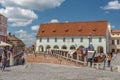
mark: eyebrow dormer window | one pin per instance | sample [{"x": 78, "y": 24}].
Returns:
[
  {"x": 54, "y": 30},
  {"x": 66, "y": 30},
  {"x": 43, "y": 31},
  {"x": 94, "y": 29},
  {"x": 79, "y": 30}
]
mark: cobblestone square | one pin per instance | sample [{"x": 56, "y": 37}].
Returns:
[{"x": 42, "y": 71}]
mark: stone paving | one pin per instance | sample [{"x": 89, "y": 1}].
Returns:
[
  {"x": 45, "y": 71},
  {"x": 50, "y": 68}
]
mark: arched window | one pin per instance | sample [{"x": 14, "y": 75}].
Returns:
[
  {"x": 81, "y": 46},
  {"x": 56, "y": 47},
  {"x": 72, "y": 47},
  {"x": 100, "y": 49},
  {"x": 40, "y": 49},
  {"x": 48, "y": 47},
  {"x": 64, "y": 47}
]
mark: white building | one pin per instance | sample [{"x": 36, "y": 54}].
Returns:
[{"x": 72, "y": 35}]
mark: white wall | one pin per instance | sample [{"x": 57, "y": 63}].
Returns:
[{"x": 68, "y": 43}]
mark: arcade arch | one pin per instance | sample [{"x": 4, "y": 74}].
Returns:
[
  {"x": 40, "y": 49},
  {"x": 56, "y": 47},
  {"x": 64, "y": 47},
  {"x": 100, "y": 49},
  {"x": 72, "y": 47}
]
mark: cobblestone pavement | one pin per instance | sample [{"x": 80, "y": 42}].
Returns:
[{"x": 42, "y": 71}]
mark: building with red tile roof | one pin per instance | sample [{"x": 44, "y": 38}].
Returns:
[
  {"x": 71, "y": 35},
  {"x": 96, "y": 28},
  {"x": 115, "y": 31}
]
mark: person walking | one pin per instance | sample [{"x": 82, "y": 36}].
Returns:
[
  {"x": 104, "y": 60},
  {"x": 3, "y": 61},
  {"x": 22, "y": 60},
  {"x": 109, "y": 58}
]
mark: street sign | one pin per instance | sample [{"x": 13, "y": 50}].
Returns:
[{"x": 90, "y": 54}]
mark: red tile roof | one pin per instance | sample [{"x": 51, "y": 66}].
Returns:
[
  {"x": 96, "y": 28},
  {"x": 115, "y": 31}
]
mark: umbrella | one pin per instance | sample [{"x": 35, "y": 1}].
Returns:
[{"x": 4, "y": 44}]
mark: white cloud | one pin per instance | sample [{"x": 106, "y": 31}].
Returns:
[
  {"x": 107, "y": 12},
  {"x": 21, "y": 32},
  {"x": 20, "y": 12},
  {"x": 18, "y": 16},
  {"x": 113, "y": 26},
  {"x": 54, "y": 21},
  {"x": 32, "y": 4},
  {"x": 115, "y": 5},
  {"x": 23, "y": 23},
  {"x": 35, "y": 27},
  {"x": 27, "y": 38}
]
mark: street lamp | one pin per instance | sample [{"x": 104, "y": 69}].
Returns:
[{"x": 90, "y": 39}]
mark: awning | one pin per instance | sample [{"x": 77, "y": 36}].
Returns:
[{"x": 4, "y": 44}]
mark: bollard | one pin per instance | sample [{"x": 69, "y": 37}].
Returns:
[
  {"x": 98, "y": 66},
  {"x": 88, "y": 64},
  {"x": 111, "y": 68},
  {"x": 85, "y": 63},
  {"x": 11, "y": 61},
  {"x": 118, "y": 68},
  {"x": 103, "y": 67},
  {"x": 93, "y": 65}
]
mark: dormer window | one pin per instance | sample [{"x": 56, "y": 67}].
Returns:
[
  {"x": 66, "y": 30},
  {"x": 43, "y": 31},
  {"x": 54, "y": 30},
  {"x": 79, "y": 30},
  {"x": 94, "y": 29}
]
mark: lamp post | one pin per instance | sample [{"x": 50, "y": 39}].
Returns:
[
  {"x": 89, "y": 58},
  {"x": 90, "y": 39}
]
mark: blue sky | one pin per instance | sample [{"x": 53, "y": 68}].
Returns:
[{"x": 25, "y": 16}]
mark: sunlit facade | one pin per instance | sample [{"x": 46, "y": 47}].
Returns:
[
  {"x": 115, "y": 41},
  {"x": 73, "y": 35},
  {"x": 3, "y": 28}
]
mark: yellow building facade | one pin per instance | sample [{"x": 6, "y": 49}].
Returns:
[{"x": 115, "y": 41}]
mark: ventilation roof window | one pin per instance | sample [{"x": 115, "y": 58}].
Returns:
[
  {"x": 43, "y": 31},
  {"x": 94, "y": 29},
  {"x": 54, "y": 30},
  {"x": 66, "y": 30},
  {"x": 80, "y": 29}
]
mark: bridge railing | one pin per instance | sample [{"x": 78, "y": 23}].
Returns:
[{"x": 67, "y": 54}]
